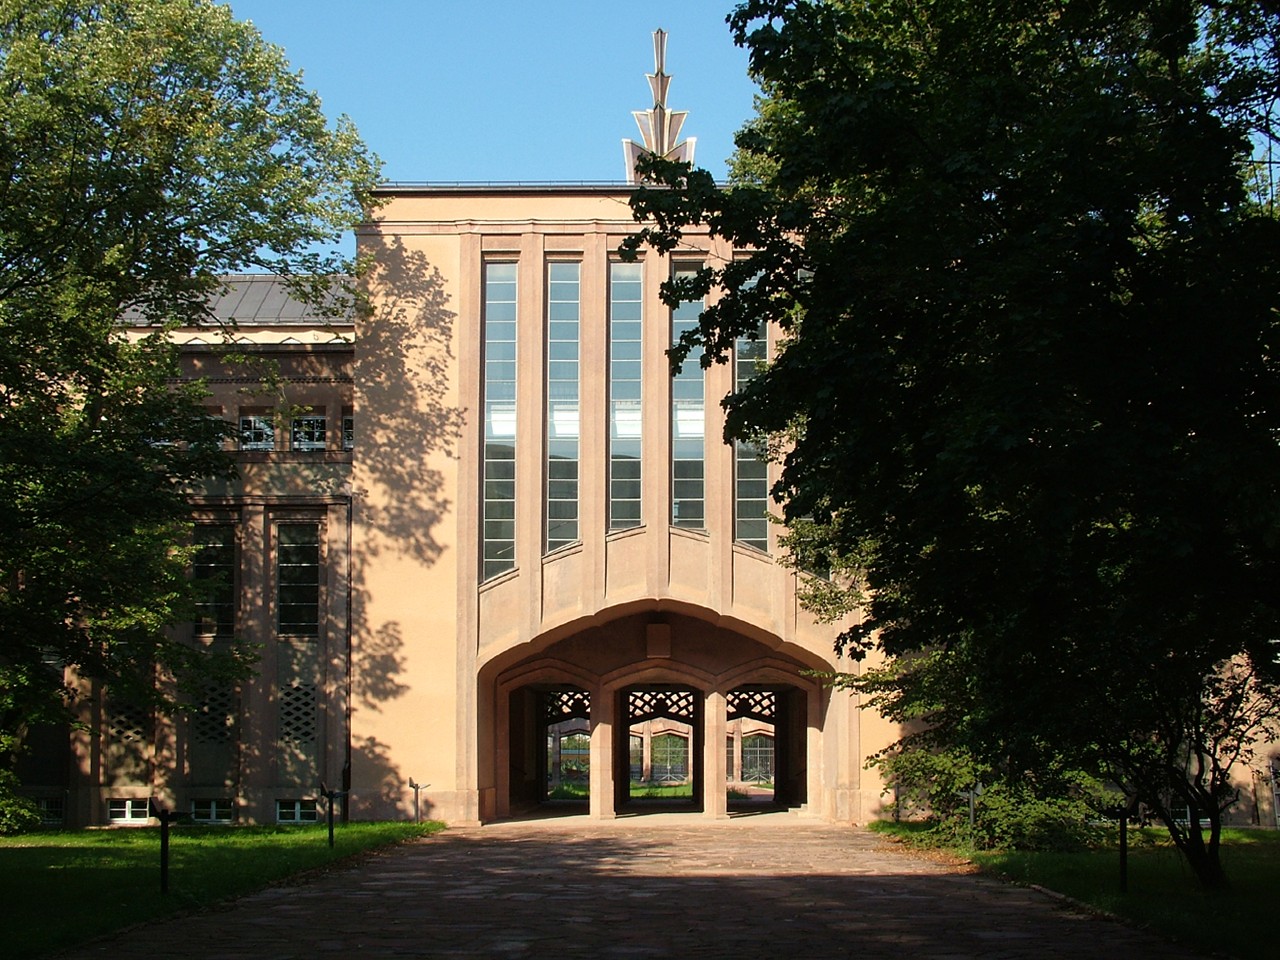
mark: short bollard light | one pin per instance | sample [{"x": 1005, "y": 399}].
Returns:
[
  {"x": 330, "y": 796},
  {"x": 415, "y": 787}
]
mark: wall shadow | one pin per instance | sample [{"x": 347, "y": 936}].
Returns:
[{"x": 407, "y": 429}]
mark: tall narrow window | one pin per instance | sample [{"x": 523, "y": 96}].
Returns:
[
  {"x": 498, "y": 551},
  {"x": 298, "y": 579},
  {"x": 563, "y": 308},
  {"x": 213, "y": 567},
  {"x": 751, "y": 473},
  {"x": 625, "y": 418},
  {"x": 688, "y": 416}
]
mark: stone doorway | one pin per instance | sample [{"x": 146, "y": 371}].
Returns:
[
  {"x": 550, "y": 740},
  {"x": 765, "y": 757},
  {"x": 751, "y": 754},
  {"x": 658, "y": 755}
]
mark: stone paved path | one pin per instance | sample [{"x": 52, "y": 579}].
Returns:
[{"x": 668, "y": 885}]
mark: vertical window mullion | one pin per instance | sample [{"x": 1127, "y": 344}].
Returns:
[
  {"x": 751, "y": 474},
  {"x": 213, "y": 567},
  {"x": 563, "y": 333},
  {"x": 625, "y": 395},
  {"x": 498, "y": 537},
  {"x": 298, "y": 579},
  {"x": 688, "y": 424}
]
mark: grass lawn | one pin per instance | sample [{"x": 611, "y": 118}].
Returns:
[
  {"x": 662, "y": 791},
  {"x": 69, "y": 886},
  {"x": 638, "y": 791},
  {"x": 1163, "y": 894}
]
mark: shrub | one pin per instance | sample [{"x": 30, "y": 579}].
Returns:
[
  {"x": 17, "y": 813},
  {"x": 1011, "y": 810}
]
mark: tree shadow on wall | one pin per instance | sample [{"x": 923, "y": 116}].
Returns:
[
  {"x": 407, "y": 428},
  {"x": 383, "y": 783}
]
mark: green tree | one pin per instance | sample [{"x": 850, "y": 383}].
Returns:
[
  {"x": 1026, "y": 264},
  {"x": 146, "y": 147}
]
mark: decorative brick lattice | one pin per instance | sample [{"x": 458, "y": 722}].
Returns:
[
  {"x": 214, "y": 721},
  {"x": 567, "y": 705},
  {"x": 753, "y": 704},
  {"x": 651, "y": 704},
  {"x": 298, "y": 713},
  {"x": 128, "y": 725}
]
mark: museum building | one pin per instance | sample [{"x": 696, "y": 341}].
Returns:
[{"x": 492, "y": 550}]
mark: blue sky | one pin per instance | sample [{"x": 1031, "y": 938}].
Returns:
[{"x": 510, "y": 90}]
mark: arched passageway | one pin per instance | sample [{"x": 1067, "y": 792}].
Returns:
[{"x": 714, "y": 722}]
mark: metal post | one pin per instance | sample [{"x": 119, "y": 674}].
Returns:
[
  {"x": 330, "y": 817},
  {"x": 415, "y": 787},
  {"x": 1124, "y": 850},
  {"x": 330, "y": 796},
  {"x": 166, "y": 817}
]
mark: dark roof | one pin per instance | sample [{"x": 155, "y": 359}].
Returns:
[{"x": 252, "y": 299}]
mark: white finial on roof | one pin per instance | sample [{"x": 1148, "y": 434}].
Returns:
[{"x": 659, "y": 127}]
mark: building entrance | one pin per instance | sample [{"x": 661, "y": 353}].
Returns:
[
  {"x": 663, "y": 750},
  {"x": 658, "y": 757},
  {"x": 751, "y": 753},
  {"x": 641, "y": 717},
  {"x": 565, "y": 771}
]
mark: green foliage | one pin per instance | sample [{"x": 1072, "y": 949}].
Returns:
[
  {"x": 17, "y": 813},
  {"x": 1026, "y": 268},
  {"x": 1009, "y": 810},
  {"x": 146, "y": 147}
]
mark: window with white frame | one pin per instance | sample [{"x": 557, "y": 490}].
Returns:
[
  {"x": 128, "y": 809},
  {"x": 296, "y": 811},
  {"x": 214, "y": 810},
  {"x": 257, "y": 431},
  {"x": 563, "y": 303},
  {"x": 309, "y": 432},
  {"x": 348, "y": 431}
]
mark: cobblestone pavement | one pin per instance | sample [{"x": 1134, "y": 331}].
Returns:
[{"x": 666, "y": 885}]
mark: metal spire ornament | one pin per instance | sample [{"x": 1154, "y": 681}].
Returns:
[{"x": 659, "y": 127}]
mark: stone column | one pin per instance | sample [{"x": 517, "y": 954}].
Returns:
[
  {"x": 602, "y": 755},
  {"x": 715, "y": 800}
]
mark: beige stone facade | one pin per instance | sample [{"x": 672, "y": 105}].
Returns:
[{"x": 619, "y": 616}]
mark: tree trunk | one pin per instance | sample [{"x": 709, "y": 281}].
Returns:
[{"x": 1201, "y": 856}]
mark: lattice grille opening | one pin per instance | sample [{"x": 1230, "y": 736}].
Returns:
[
  {"x": 650, "y": 704},
  {"x": 127, "y": 724},
  {"x": 567, "y": 705},
  {"x": 298, "y": 713},
  {"x": 214, "y": 721},
  {"x": 753, "y": 704}
]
